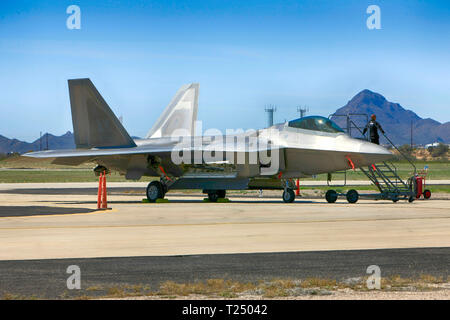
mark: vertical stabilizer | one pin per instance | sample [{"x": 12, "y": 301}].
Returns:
[
  {"x": 180, "y": 115},
  {"x": 94, "y": 123}
]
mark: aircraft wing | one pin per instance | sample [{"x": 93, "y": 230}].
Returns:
[{"x": 72, "y": 153}]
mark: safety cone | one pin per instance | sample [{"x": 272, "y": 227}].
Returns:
[
  {"x": 297, "y": 190},
  {"x": 99, "y": 192},
  {"x": 104, "y": 200}
]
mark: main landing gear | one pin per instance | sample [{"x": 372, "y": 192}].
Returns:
[
  {"x": 155, "y": 190},
  {"x": 214, "y": 195}
]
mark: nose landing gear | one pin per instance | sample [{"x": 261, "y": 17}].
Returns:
[{"x": 288, "y": 195}]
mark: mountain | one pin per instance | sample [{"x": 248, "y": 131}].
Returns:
[
  {"x": 65, "y": 141},
  {"x": 395, "y": 120}
]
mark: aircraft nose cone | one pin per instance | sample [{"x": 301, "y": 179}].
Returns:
[{"x": 374, "y": 153}]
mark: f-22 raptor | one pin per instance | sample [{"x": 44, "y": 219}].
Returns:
[{"x": 213, "y": 163}]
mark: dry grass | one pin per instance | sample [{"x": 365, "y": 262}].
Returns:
[
  {"x": 276, "y": 288},
  {"x": 38, "y": 163},
  {"x": 219, "y": 287}
]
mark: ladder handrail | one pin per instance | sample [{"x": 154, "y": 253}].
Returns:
[
  {"x": 355, "y": 126},
  {"x": 349, "y": 127},
  {"x": 404, "y": 156}
]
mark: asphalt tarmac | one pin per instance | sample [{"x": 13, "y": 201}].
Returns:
[{"x": 47, "y": 278}]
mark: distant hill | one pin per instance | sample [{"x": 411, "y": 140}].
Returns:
[
  {"x": 395, "y": 120},
  {"x": 65, "y": 141}
]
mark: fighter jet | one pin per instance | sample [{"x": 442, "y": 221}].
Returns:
[{"x": 213, "y": 163}]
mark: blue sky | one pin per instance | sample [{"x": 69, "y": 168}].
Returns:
[{"x": 244, "y": 54}]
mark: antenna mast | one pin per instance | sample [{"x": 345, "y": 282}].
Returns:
[
  {"x": 270, "y": 109},
  {"x": 302, "y": 111}
]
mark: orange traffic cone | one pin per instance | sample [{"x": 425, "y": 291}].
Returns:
[
  {"x": 99, "y": 192},
  {"x": 297, "y": 190},
  {"x": 104, "y": 201}
]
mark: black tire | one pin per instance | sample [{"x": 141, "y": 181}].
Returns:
[
  {"x": 221, "y": 193},
  {"x": 411, "y": 199},
  {"x": 395, "y": 199},
  {"x": 352, "y": 196},
  {"x": 154, "y": 191},
  {"x": 427, "y": 194},
  {"x": 213, "y": 196},
  {"x": 331, "y": 196},
  {"x": 288, "y": 196}
]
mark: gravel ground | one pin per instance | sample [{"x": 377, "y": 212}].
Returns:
[
  {"x": 434, "y": 292},
  {"x": 340, "y": 295}
]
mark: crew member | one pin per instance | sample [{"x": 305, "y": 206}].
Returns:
[{"x": 373, "y": 127}]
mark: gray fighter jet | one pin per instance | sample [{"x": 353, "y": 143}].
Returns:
[{"x": 213, "y": 162}]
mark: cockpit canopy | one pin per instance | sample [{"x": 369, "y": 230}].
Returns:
[{"x": 316, "y": 123}]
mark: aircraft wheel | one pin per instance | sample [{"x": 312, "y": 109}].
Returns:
[
  {"x": 411, "y": 199},
  {"x": 221, "y": 193},
  {"x": 395, "y": 199},
  {"x": 288, "y": 196},
  {"x": 352, "y": 196},
  {"x": 427, "y": 194},
  {"x": 213, "y": 196},
  {"x": 331, "y": 196},
  {"x": 155, "y": 191}
]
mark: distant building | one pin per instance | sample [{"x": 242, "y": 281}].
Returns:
[{"x": 434, "y": 144}]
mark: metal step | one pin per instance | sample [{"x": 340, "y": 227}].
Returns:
[{"x": 386, "y": 179}]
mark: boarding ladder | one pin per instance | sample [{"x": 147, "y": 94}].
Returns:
[{"x": 384, "y": 176}]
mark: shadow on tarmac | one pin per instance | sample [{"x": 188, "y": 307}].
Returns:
[{"x": 28, "y": 211}]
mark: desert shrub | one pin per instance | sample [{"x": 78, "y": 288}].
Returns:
[
  {"x": 439, "y": 151},
  {"x": 406, "y": 148}
]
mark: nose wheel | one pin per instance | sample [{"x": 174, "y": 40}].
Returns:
[{"x": 288, "y": 195}]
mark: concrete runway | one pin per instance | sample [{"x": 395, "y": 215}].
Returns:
[
  {"x": 61, "y": 222},
  {"x": 46, "y": 228}
]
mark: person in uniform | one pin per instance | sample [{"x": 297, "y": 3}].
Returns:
[{"x": 373, "y": 126}]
